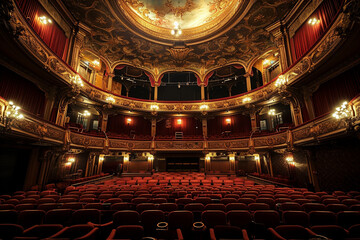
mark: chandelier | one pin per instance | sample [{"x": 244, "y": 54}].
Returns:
[{"x": 176, "y": 31}]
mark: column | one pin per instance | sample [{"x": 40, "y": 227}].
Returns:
[
  {"x": 78, "y": 43},
  {"x": 62, "y": 111},
  {"x": 296, "y": 113},
  {"x": 248, "y": 82},
  {"x": 204, "y": 128},
  {"x": 268, "y": 156},
  {"x": 110, "y": 82},
  {"x": 254, "y": 124},
  {"x": 202, "y": 91},
  {"x": 155, "y": 92},
  {"x": 309, "y": 105},
  {"x": 104, "y": 121},
  {"x": 153, "y": 128}
]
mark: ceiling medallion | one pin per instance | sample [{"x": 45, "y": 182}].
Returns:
[{"x": 201, "y": 20}]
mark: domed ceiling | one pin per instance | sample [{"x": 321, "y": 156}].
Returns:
[
  {"x": 196, "y": 18},
  {"x": 115, "y": 37}
]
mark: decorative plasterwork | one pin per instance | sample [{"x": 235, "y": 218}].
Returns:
[
  {"x": 116, "y": 41},
  {"x": 29, "y": 40}
]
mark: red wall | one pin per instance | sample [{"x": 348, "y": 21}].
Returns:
[
  {"x": 240, "y": 126},
  {"x": 118, "y": 124},
  {"x": 187, "y": 126}
]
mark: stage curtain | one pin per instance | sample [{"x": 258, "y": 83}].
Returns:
[
  {"x": 22, "y": 92},
  {"x": 307, "y": 35},
  {"x": 52, "y": 35},
  {"x": 332, "y": 93}
]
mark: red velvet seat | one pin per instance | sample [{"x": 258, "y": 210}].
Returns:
[
  {"x": 347, "y": 219},
  {"x": 258, "y": 206},
  {"x": 8, "y": 216},
  {"x": 322, "y": 218},
  {"x": 215, "y": 206},
  {"x": 59, "y": 216},
  {"x": 228, "y": 232},
  {"x": 168, "y": 207},
  {"x": 84, "y": 216},
  {"x": 10, "y": 231},
  {"x": 295, "y": 218},
  {"x": 337, "y": 208},
  {"x": 213, "y": 218},
  {"x": 126, "y": 217},
  {"x": 133, "y": 232},
  {"x": 145, "y": 206},
  {"x": 121, "y": 206},
  {"x": 309, "y": 207},
  {"x": 239, "y": 218},
  {"x": 246, "y": 201},
  {"x": 331, "y": 231},
  {"x": 150, "y": 219}
]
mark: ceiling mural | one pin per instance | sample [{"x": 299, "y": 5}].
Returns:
[
  {"x": 188, "y": 13},
  {"x": 242, "y": 43}
]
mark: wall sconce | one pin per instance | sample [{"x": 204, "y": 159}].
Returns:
[
  {"x": 246, "y": 100},
  {"x": 290, "y": 158},
  {"x": 12, "y": 112},
  {"x": 45, "y": 20},
  {"x": 68, "y": 164},
  {"x": 101, "y": 158},
  {"x": 179, "y": 121},
  {"x": 313, "y": 21},
  {"x": 76, "y": 81},
  {"x": 96, "y": 62},
  {"x": 150, "y": 157},
  {"x": 204, "y": 107},
  {"x": 232, "y": 157},
  {"x": 154, "y": 107},
  {"x": 281, "y": 81},
  {"x": 110, "y": 100},
  {"x": 343, "y": 111},
  {"x": 126, "y": 158},
  {"x": 272, "y": 112},
  {"x": 208, "y": 158},
  {"x": 129, "y": 121},
  {"x": 71, "y": 159},
  {"x": 257, "y": 157},
  {"x": 86, "y": 113},
  {"x": 228, "y": 121}
]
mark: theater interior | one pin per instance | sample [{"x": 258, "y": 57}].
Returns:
[{"x": 180, "y": 119}]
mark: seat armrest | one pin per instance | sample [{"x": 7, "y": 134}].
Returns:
[
  {"x": 59, "y": 233},
  {"x": 112, "y": 234},
  {"x": 275, "y": 235},
  {"x": 100, "y": 225},
  {"x": 179, "y": 234},
  {"x": 89, "y": 235},
  {"x": 245, "y": 234},
  {"x": 212, "y": 234}
]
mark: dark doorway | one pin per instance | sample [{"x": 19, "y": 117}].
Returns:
[
  {"x": 112, "y": 164},
  {"x": 182, "y": 164}
]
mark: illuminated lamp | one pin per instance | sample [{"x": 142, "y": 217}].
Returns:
[
  {"x": 176, "y": 31},
  {"x": 257, "y": 158},
  {"x": 313, "y": 21},
  {"x": 290, "y": 158},
  {"x": 272, "y": 112},
  {"x": 101, "y": 158},
  {"x": 154, "y": 107},
  {"x": 71, "y": 159},
  {"x": 204, "y": 107},
  {"x": 179, "y": 121},
  {"x": 110, "y": 100},
  {"x": 228, "y": 121},
  {"x": 68, "y": 164},
  {"x": 342, "y": 112},
  {"x": 246, "y": 100},
  {"x": 44, "y": 20},
  {"x": 128, "y": 120}
]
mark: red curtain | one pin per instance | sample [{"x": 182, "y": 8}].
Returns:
[
  {"x": 332, "y": 93},
  {"x": 307, "y": 35},
  {"x": 22, "y": 92},
  {"x": 53, "y": 36}
]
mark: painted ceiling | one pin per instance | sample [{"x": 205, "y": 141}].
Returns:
[
  {"x": 188, "y": 13},
  {"x": 111, "y": 39}
]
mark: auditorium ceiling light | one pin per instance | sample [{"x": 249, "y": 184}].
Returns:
[
  {"x": 45, "y": 20},
  {"x": 313, "y": 21},
  {"x": 86, "y": 113},
  {"x": 342, "y": 112},
  {"x": 176, "y": 31}
]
